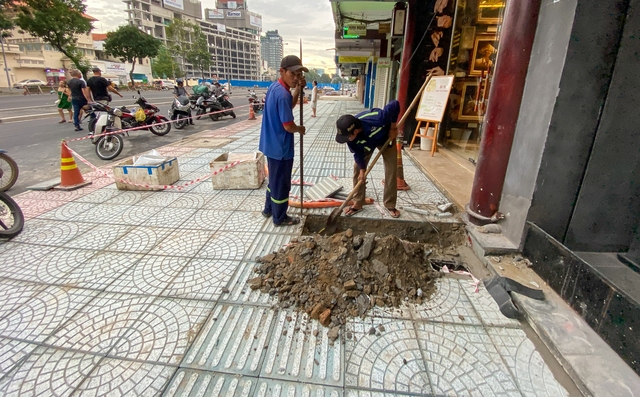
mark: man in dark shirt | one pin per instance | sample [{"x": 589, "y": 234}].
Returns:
[
  {"x": 100, "y": 87},
  {"x": 80, "y": 96},
  {"x": 363, "y": 133}
]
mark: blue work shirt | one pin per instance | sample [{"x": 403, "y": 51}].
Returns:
[
  {"x": 275, "y": 141},
  {"x": 376, "y": 124}
]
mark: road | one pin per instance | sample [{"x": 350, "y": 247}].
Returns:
[{"x": 35, "y": 143}]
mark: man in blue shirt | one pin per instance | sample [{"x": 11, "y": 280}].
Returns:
[
  {"x": 363, "y": 133},
  {"x": 276, "y": 138}
]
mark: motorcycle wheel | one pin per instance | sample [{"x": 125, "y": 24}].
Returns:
[
  {"x": 109, "y": 147},
  {"x": 233, "y": 114},
  {"x": 199, "y": 113},
  {"x": 11, "y": 217},
  {"x": 162, "y": 129},
  {"x": 214, "y": 116},
  {"x": 181, "y": 121},
  {"x": 8, "y": 172}
]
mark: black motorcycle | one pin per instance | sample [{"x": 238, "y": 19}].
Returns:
[
  {"x": 223, "y": 99},
  {"x": 206, "y": 104},
  {"x": 256, "y": 104},
  {"x": 11, "y": 217}
]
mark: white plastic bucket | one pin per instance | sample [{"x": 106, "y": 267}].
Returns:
[{"x": 425, "y": 144}]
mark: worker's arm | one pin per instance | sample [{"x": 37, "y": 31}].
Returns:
[
  {"x": 111, "y": 89},
  {"x": 293, "y": 128},
  {"x": 87, "y": 94},
  {"x": 296, "y": 93}
]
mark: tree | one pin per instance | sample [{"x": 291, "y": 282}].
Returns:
[
  {"x": 56, "y": 22},
  {"x": 129, "y": 44},
  {"x": 325, "y": 79},
  {"x": 6, "y": 22},
  {"x": 179, "y": 33},
  {"x": 164, "y": 66},
  {"x": 199, "y": 55},
  {"x": 312, "y": 75}
]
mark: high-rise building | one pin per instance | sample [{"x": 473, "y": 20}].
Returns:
[
  {"x": 233, "y": 39},
  {"x": 271, "y": 50}
]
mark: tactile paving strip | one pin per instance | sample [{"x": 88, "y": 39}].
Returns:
[{"x": 193, "y": 383}]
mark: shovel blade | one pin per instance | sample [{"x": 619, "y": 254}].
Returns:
[{"x": 332, "y": 221}]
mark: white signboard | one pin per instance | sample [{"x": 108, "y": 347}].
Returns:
[
  {"x": 216, "y": 14},
  {"x": 234, "y": 14},
  {"x": 115, "y": 67},
  {"x": 232, "y": 4},
  {"x": 98, "y": 45},
  {"x": 175, "y": 4},
  {"x": 434, "y": 99},
  {"x": 222, "y": 27},
  {"x": 255, "y": 21}
]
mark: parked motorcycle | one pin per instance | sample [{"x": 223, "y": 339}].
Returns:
[
  {"x": 256, "y": 104},
  {"x": 204, "y": 104},
  {"x": 105, "y": 119},
  {"x": 154, "y": 121},
  {"x": 223, "y": 99},
  {"x": 180, "y": 111},
  {"x": 11, "y": 217}
]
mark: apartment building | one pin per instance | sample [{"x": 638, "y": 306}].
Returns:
[{"x": 272, "y": 49}]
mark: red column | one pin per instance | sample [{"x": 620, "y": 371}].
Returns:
[{"x": 516, "y": 40}]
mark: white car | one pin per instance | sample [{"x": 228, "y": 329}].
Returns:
[
  {"x": 29, "y": 83},
  {"x": 166, "y": 84}
]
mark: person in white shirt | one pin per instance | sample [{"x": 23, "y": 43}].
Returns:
[{"x": 314, "y": 98}]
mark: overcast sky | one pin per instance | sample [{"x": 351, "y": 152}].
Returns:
[{"x": 310, "y": 20}]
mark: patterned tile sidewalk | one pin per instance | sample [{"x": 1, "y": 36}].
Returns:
[{"x": 110, "y": 292}]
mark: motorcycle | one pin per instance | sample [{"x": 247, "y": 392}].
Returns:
[
  {"x": 11, "y": 217},
  {"x": 153, "y": 121},
  {"x": 256, "y": 104},
  {"x": 180, "y": 111},
  {"x": 108, "y": 147},
  {"x": 223, "y": 99},
  {"x": 204, "y": 104}
]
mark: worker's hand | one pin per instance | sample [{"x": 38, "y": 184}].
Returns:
[
  {"x": 302, "y": 129},
  {"x": 361, "y": 177},
  {"x": 393, "y": 133},
  {"x": 302, "y": 82},
  {"x": 435, "y": 54}
]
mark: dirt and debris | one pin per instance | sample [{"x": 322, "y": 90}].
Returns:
[{"x": 335, "y": 277}]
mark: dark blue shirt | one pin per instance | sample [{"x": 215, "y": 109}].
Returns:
[
  {"x": 275, "y": 141},
  {"x": 376, "y": 124}
]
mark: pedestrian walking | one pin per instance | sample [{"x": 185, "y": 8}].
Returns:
[
  {"x": 314, "y": 98},
  {"x": 80, "y": 96},
  {"x": 101, "y": 87},
  {"x": 363, "y": 133},
  {"x": 64, "y": 102},
  {"x": 277, "y": 140}
]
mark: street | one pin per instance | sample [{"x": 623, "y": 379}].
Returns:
[{"x": 35, "y": 143}]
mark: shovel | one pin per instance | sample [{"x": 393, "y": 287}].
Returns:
[{"x": 332, "y": 222}]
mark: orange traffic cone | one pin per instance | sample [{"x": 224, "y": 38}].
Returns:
[
  {"x": 70, "y": 176},
  {"x": 252, "y": 114}
]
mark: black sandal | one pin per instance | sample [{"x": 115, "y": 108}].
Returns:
[{"x": 288, "y": 221}]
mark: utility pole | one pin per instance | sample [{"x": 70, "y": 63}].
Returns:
[{"x": 4, "y": 57}]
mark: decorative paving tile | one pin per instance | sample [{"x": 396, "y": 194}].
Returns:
[
  {"x": 98, "y": 327},
  {"x": 240, "y": 292},
  {"x": 101, "y": 270},
  {"x": 227, "y": 245},
  {"x": 461, "y": 359},
  {"x": 205, "y": 187},
  {"x": 367, "y": 393},
  {"x": 33, "y": 208},
  {"x": 49, "y": 372},
  {"x": 98, "y": 237},
  {"x": 448, "y": 304},
  {"x": 193, "y": 383},
  {"x": 140, "y": 240},
  {"x": 113, "y": 377},
  {"x": 164, "y": 332},
  {"x": 102, "y": 214},
  {"x": 149, "y": 276},
  {"x": 296, "y": 354},
  {"x": 136, "y": 215},
  {"x": 191, "y": 200},
  {"x": 487, "y": 308},
  {"x": 207, "y": 219},
  {"x": 170, "y": 217},
  {"x": 225, "y": 201},
  {"x": 51, "y": 268},
  {"x": 14, "y": 255},
  {"x": 389, "y": 360},
  {"x": 16, "y": 293},
  {"x": 38, "y": 317},
  {"x": 185, "y": 243},
  {"x": 533, "y": 376},
  {"x": 201, "y": 279},
  {"x": 266, "y": 243},
  {"x": 67, "y": 211},
  {"x": 159, "y": 199},
  {"x": 99, "y": 196},
  {"x": 49, "y": 232},
  {"x": 253, "y": 202},
  {"x": 12, "y": 353},
  {"x": 243, "y": 222},
  {"x": 128, "y": 198},
  {"x": 234, "y": 339}
]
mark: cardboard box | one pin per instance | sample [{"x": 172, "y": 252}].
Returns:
[
  {"x": 166, "y": 173},
  {"x": 247, "y": 175}
]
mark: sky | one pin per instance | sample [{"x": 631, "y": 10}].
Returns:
[{"x": 309, "y": 20}]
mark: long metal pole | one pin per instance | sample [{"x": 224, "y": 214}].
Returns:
[
  {"x": 301, "y": 100},
  {"x": 6, "y": 67}
]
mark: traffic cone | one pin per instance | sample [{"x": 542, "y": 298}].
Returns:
[
  {"x": 252, "y": 114},
  {"x": 70, "y": 176}
]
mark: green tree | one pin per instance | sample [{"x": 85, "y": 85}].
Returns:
[
  {"x": 6, "y": 21},
  {"x": 312, "y": 75},
  {"x": 129, "y": 44},
  {"x": 164, "y": 65},
  {"x": 179, "y": 35},
  {"x": 56, "y": 22},
  {"x": 325, "y": 79},
  {"x": 198, "y": 54}
]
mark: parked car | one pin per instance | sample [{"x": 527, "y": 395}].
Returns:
[
  {"x": 165, "y": 84},
  {"x": 29, "y": 83}
]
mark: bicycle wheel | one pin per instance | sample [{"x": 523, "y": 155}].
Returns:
[
  {"x": 11, "y": 217},
  {"x": 8, "y": 172}
]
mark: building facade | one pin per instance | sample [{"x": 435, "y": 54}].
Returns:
[{"x": 272, "y": 49}]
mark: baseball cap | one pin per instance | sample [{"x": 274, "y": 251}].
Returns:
[
  {"x": 96, "y": 70},
  {"x": 292, "y": 63},
  {"x": 346, "y": 125}
]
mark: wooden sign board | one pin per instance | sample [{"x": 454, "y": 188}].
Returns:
[{"x": 434, "y": 99}]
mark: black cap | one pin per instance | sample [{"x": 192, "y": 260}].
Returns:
[
  {"x": 346, "y": 125},
  {"x": 292, "y": 63}
]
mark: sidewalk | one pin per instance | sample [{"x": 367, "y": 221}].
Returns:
[{"x": 110, "y": 292}]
